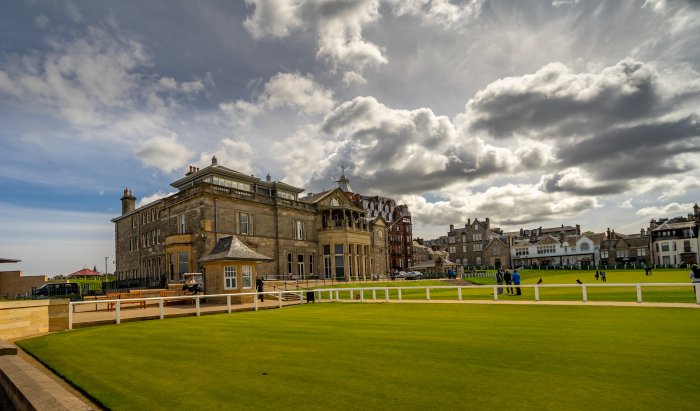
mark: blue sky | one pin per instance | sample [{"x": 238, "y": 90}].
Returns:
[{"x": 536, "y": 113}]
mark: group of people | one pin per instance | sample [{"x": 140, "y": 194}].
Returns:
[
  {"x": 508, "y": 278},
  {"x": 601, "y": 274}
]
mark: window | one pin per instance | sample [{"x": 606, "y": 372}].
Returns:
[
  {"x": 299, "y": 230},
  {"x": 339, "y": 248},
  {"x": 339, "y": 266},
  {"x": 452, "y": 250},
  {"x": 133, "y": 222},
  {"x": 451, "y": 240},
  {"x": 477, "y": 247},
  {"x": 289, "y": 263},
  {"x": 171, "y": 265},
  {"x": 522, "y": 251},
  {"x": 230, "y": 277},
  {"x": 458, "y": 261},
  {"x": 181, "y": 227},
  {"x": 300, "y": 265},
  {"x": 311, "y": 264},
  {"x": 247, "y": 277},
  {"x": 464, "y": 238},
  {"x": 546, "y": 249},
  {"x": 584, "y": 246},
  {"x": 464, "y": 248},
  {"x": 621, "y": 253},
  {"x": 183, "y": 263},
  {"x": 245, "y": 224},
  {"x": 604, "y": 254},
  {"x": 674, "y": 246},
  {"x": 641, "y": 251},
  {"x": 664, "y": 247},
  {"x": 476, "y": 237}
]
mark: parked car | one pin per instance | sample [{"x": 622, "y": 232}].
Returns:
[
  {"x": 57, "y": 290},
  {"x": 413, "y": 275}
]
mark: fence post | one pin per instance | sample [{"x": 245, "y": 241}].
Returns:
[
  {"x": 118, "y": 309},
  {"x": 71, "y": 307},
  {"x": 228, "y": 303},
  {"x": 301, "y": 297},
  {"x": 337, "y": 295},
  {"x": 459, "y": 293},
  {"x": 639, "y": 293},
  {"x": 399, "y": 290},
  {"x": 697, "y": 292},
  {"x": 427, "y": 293},
  {"x": 255, "y": 301},
  {"x": 362, "y": 295},
  {"x": 280, "y": 298},
  {"x": 386, "y": 294},
  {"x": 537, "y": 292},
  {"x": 351, "y": 295},
  {"x": 196, "y": 301},
  {"x": 160, "y": 308},
  {"x": 374, "y": 294},
  {"x": 320, "y": 296},
  {"x": 495, "y": 293},
  {"x": 583, "y": 291}
]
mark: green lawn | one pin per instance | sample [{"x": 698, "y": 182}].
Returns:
[
  {"x": 389, "y": 356},
  {"x": 682, "y": 294}
]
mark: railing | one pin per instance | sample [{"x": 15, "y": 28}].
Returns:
[{"x": 335, "y": 293}]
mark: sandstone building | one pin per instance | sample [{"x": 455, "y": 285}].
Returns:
[{"x": 318, "y": 236}]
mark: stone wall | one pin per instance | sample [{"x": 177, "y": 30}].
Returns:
[
  {"x": 20, "y": 319},
  {"x": 14, "y": 282}
]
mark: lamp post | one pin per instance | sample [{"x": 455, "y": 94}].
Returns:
[{"x": 106, "y": 261}]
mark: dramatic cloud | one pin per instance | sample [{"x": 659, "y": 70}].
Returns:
[
  {"x": 509, "y": 205},
  {"x": 274, "y": 18},
  {"x": 164, "y": 153}
]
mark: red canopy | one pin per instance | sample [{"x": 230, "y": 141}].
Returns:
[{"x": 85, "y": 272}]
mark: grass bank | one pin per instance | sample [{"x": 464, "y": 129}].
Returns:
[{"x": 389, "y": 356}]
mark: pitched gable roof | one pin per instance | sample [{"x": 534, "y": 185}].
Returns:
[{"x": 231, "y": 248}]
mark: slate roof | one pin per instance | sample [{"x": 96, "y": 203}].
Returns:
[{"x": 231, "y": 248}]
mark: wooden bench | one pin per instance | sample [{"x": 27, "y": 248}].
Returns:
[
  {"x": 122, "y": 296},
  {"x": 176, "y": 293}
]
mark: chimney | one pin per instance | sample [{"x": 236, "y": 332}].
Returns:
[
  {"x": 578, "y": 229},
  {"x": 642, "y": 231},
  {"x": 268, "y": 178},
  {"x": 609, "y": 238},
  {"x": 214, "y": 161},
  {"x": 488, "y": 223},
  {"x": 128, "y": 202},
  {"x": 469, "y": 221},
  {"x": 452, "y": 227},
  {"x": 613, "y": 234}
]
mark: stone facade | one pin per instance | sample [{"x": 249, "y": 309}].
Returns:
[
  {"x": 675, "y": 241},
  {"x": 168, "y": 237}
]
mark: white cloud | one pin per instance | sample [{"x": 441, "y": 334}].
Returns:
[
  {"x": 41, "y": 21},
  {"x": 626, "y": 204},
  {"x": 274, "y": 18},
  {"x": 291, "y": 90},
  {"x": 441, "y": 13},
  {"x": 153, "y": 197},
  {"x": 237, "y": 155},
  {"x": 668, "y": 210},
  {"x": 163, "y": 152},
  {"x": 338, "y": 25}
]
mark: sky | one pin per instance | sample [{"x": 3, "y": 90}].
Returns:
[{"x": 532, "y": 113}]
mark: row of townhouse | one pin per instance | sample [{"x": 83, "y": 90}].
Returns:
[{"x": 667, "y": 242}]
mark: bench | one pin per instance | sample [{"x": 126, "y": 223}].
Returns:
[
  {"x": 176, "y": 293},
  {"x": 123, "y": 296}
]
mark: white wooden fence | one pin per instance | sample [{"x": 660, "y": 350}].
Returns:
[{"x": 333, "y": 294}]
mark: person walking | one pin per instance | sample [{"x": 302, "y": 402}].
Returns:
[
  {"x": 259, "y": 287},
  {"x": 499, "y": 281},
  {"x": 694, "y": 276},
  {"x": 603, "y": 276},
  {"x": 507, "y": 278},
  {"x": 597, "y": 274},
  {"x": 516, "y": 281}
]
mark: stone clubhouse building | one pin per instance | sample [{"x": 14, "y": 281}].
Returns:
[{"x": 323, "y": 235}]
